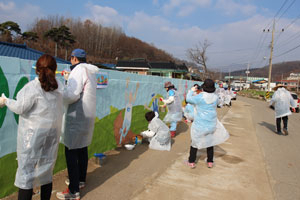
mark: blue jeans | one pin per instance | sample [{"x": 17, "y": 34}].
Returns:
[{"x": 173, "y": 126}]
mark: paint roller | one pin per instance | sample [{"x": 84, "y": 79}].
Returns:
[{"x": 56, "y": 72}]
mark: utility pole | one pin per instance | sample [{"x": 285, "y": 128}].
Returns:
[
  {"x": 229, "y": 78},
  {"x": 247, "y": 72},
  {"x": 271, "y": 54},
  {"x": 298, "y": 83}
]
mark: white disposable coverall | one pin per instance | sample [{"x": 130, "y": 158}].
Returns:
[
  {"x": 174, "y": 108},
  {"x": 38, "y": 133},
  {"x": 80, "y": 99},
  {"x": 282, "y": 100},
  {"x": 221, "y": 96},
  {"x": 162, "y": 139},
  {"x": 206, "y": 130}
]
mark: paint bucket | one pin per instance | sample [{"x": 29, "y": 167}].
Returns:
[
  {"x": 100, "y": 158},
  {"x": 137, "y": 139}
]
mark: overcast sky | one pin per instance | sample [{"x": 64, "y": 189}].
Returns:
[{"x": 234, "y": 27}]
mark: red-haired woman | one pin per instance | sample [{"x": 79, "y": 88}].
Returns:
[{"x": 39, "y": 104}]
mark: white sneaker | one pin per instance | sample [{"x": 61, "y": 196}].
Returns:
[{"x": 67, "y": 195}]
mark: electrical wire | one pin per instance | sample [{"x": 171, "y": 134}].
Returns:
[
  {"x": 292, "y": 49},
  {"x": 286, "y": 10},
  {"x": 277, "y": 13},
  {"x": 281, "y": 8},
  {"x": 288, "y": 24},
  {"x": 230, "y": 50},
  {"x": 291, "y": 37}
]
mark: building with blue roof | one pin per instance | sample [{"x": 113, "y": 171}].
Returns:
[{"x": 23, "y": 52}]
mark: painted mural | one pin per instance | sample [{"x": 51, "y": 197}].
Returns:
[{"x": 120, "y": 111}]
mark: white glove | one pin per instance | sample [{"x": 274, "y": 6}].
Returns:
[
  {"x": 148, "y": 134},
  {"x": 66, "y": 75},
  {"x": 193, "y": 89},
  {"x": 2, "y": 100}
]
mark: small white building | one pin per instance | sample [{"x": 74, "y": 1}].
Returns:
[
  {"x": 240, "y": 85},
  {"x": 294, "y": 76}
]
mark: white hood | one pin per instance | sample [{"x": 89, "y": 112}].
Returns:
[
  {"x": 209, "y": 98},
  {"x": 92, "y": 68}
]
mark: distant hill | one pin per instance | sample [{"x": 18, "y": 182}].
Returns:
[
  {"x": 278, "y": 70},
  {"x": 103, "y": 44}
]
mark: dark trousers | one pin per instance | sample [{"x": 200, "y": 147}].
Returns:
[
  {"x": 209, "y": 151},
  {"x": 77, "y": 162},
  {"x": 27, "y": 194},
  {"x": 278, "y": 123}
]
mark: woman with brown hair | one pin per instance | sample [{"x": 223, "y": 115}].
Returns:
[{"x": 39, "y": 104}]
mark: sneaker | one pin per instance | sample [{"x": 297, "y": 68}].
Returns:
[
  {"x": 191, "y": 165},
  {"x": 285, "y": 131},
  {"x": 67, "y": 195},
  {"x": 279, "y": 133},
  {"x": 210, "y": 164},
  {"x": 173, "y": 133},
  {"x": 81, "y": 184}
]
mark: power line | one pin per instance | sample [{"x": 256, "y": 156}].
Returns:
[
  {"x": 281, "y": 8},
  {"x": 230, "y": 50},
  {"x": 292, "y": 22},
  {"x": 291, "y": 39},
  {"x": 286, "y": 10},
  {"x": 287, "y": 51},
  {"x": 260, "y": 45},
  {"x": 285, "y": 28}
]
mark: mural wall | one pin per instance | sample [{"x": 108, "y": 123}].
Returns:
[{"x": 122, "y": 101}]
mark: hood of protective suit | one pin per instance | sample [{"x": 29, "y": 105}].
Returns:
[
  {"x": 91, "y": 68},
  {"x": 209, "y": 98}
]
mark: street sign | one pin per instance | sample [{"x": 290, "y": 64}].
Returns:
[{"x": 267, "y": 95}]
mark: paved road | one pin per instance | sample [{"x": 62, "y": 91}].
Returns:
[
  {"x": 239, "y": 171},
  {"x": 281, "y": 152}
]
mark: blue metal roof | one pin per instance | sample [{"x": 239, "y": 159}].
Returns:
[
  {"x": 108, "y": 65},
  {"x": 260, "y": 80},
  {"x": 23, "y": 52}
]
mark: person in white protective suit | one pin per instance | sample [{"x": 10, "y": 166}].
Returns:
[
  {"x": 78, "y": 124},
  {"x": 158, "y": 132},
  {"x": 174, "y": 107},
  {"x": 189, "y": 109},
  {"x": 206, "y": 130},
  {"x": 221, "y": 95},
  {"x": 228, "y": 96},
  {"x": 282, "y": 100},
  {"x": 39, "y": 104}
]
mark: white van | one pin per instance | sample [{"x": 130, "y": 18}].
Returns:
[{"x": 297, "y": 101}]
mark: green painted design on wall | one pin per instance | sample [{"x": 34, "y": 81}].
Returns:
[
  {"x": 103, "y": 137},
  {"x": 138, "y": 121},
  {"x": 8, "y": 168},
  {"x": 61, "y": 159},
  {"x": 3, "y": 89},
  {"x": 22, "y": 82},
  {"x": 113, "y": 109}
]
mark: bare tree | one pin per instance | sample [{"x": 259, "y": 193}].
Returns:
[
  {"x": 102, "y": 43},
  {"x": 198, "y": 54}
]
